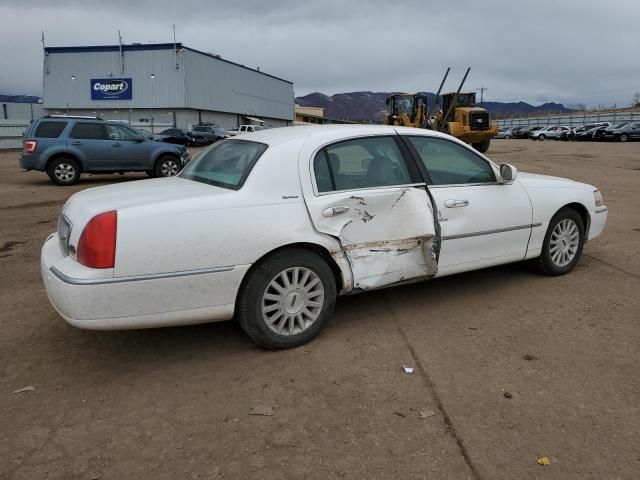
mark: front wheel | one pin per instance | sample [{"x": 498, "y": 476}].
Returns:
[
  {"x": 507, "y": 137},
  {"x": 541, "y": 138},
  {"x": 563, "y": 243},
  {"x": 287, "y": 299},
  {"x": 167, "y": 166},
  {"x": 482, "y": 147},
  {"x": 623, "y": 138}
]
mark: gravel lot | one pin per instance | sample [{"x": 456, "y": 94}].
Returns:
[{"x": 175, "y": 403}]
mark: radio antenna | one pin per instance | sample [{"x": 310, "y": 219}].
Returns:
[{"x": 121, "y": 52}]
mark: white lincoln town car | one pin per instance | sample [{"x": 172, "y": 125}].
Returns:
[{"x": 270, "y": 227}]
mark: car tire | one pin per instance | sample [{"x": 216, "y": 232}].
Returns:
[
  {"x": 277, "y": 313},
  {"x": 541, "y": 137},
  {"x": 64, "y": 171},
  {"x": 507, "y": 137},
  {"x": 623, "y": 137},
  {"x": 563, "y": 243},
  {"x": 167, "y": 166},
  {"x": 482, "y": 147}
]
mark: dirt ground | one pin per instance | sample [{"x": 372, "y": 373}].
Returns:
[{"x": 175, "y": 403}]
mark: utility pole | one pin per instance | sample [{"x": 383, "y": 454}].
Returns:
[{"x": 481, "y": 90}]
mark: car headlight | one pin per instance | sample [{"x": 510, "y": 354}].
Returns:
[{"x": 598, "y": 198}]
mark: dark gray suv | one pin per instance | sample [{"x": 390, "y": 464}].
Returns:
[{"x": 66, "y": 146}]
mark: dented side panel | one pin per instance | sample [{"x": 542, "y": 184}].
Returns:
[{"x": 387, "y": 234}]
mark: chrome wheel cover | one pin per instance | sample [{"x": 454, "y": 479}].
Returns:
[
  {"x": 292, "y": 301},
  {"x": 169, "y": 168},
  {"x": 64, "y": 172},
  {"x": 564, "y": 242}
]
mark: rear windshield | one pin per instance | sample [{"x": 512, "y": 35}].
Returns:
[
  {"x": 226, "y": 164},
  {"x": 49, "y": 129}
]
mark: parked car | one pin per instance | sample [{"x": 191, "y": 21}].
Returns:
[
  {"x": 273, "y": 226},
  {"x": 587, "y": 135},
  {"x": 621, "y": 132},
  {"x": 177, "y": 136},
  {"x": 506, "y": 132},
  {"x": 552, "y": 131},
  {"x": 567, "y": 135},
  {"x": 630, "y": 131},
  {"x": 207, "y": 134},
  {"x": 608, "y": 133},
  {"x": 67, "y": 146},
  {"x": 524, "y": 132},
  {"x": 244, "y": 129},
  {"x": 584, "y": 128}
]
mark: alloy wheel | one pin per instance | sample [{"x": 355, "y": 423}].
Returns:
[
  {"x": 169, "y": 168},
  {"x": 292, "y": 301},
  {"x": 564, "y": 242},
  {"x": 64, "y": 172}
]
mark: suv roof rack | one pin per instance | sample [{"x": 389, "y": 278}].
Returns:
[{"x": 73, "y": 116}]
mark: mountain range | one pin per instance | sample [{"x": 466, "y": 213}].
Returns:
[{"x": 370, "y": 106}]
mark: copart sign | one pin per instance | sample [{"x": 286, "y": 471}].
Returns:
[{"x": 111, "y": 89}]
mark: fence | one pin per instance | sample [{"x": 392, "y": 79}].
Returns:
[
  {"x": 575, "y": 119},
  {"x": 11, "y": 133}
]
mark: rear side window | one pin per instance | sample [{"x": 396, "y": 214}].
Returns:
[
  {"x": 89, "y": 131},
  {"x": 361, "y": 163},
  {"x": 49, "y": 129},
  {"x": 227, "y": 164}
]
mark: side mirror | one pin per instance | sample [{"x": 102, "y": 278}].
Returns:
[
  {"x": 508, "y": 173},
  {"x": 140, "y": 139}
]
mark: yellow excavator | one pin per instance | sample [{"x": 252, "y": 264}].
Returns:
[{"x": 457, "y": 115}]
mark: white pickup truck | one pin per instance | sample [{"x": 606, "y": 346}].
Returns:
[{"x": 244, "y": 129}]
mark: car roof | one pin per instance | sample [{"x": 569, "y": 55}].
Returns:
[{"x": 274, "y": 136}]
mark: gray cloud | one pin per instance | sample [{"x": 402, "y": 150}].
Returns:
[{"x": 534, "y": 51}]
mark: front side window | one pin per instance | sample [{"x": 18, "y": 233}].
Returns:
[
  {"x": 87, "y": 131},
  {"x": 49, "y": 129},
  {"x": 448, "y": 163},
  {"x": 119, "y": 132},
  {"x": 360, "y": 163},
  {"x": 226, "y": 164}
]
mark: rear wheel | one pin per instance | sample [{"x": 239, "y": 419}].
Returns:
[
  {"x": 287, "y": 299},
  {"x": 482, "y": 147},
  {"x": 563, "y": 243},
  {"x": 64, "y": 171},
  {"x": 167, "y": 166},
  {"x": 623, "y": 137},
  {"x": 507, "y": 137}
]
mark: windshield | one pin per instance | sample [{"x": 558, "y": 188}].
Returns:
[
  {"x": 226, "y": 164},
  {"x": 403, "y": 104},
  {"x": 620, "y": 125}
]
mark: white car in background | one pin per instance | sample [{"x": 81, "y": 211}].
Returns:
[
  {"x": 552, "y": 131},
  {"x": 270, "y": 228}
]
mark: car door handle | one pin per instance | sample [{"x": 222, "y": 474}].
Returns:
[
  {"x": 76, "y": 143},
  {"x": 333, "y": 211},
  {"x": 452, "y": 203},
  {"x": 116, "y": 144}
]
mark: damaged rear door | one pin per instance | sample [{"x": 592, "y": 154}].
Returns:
[{"x": 370, "y": 196}]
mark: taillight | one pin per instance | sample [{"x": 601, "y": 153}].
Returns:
[
  {"x": 30, "y": 146},
  {"x": 97, "y": 245}
]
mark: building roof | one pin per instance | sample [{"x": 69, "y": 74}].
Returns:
[{"x": 134, "y": 47}]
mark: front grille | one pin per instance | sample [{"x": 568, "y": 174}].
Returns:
[
  {"x": 64, "y": 229},
  {"x": 479, "y": 121}
]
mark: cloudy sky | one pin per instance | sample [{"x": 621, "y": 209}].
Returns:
[{"x": 580, "y": 51}]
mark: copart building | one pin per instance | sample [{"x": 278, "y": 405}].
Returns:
[{"x": 160, "y": 85}]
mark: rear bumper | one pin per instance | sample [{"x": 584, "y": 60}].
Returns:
[
  {"x": 30, "y": 162},
  {"x": 85, "y": 301}
]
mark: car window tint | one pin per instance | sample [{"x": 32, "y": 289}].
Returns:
[
  {"x": 448, "y": 163},
  {"x": 50, "y": 129},
  {"x": 226, "y": 164},
  {"x": 118, "y": 132},
  {"x": 362, "y": 163},
  {"x": 89, "y": 131}
]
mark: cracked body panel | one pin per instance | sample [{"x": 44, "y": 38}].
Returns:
[{"x": 387, "y": 235}]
